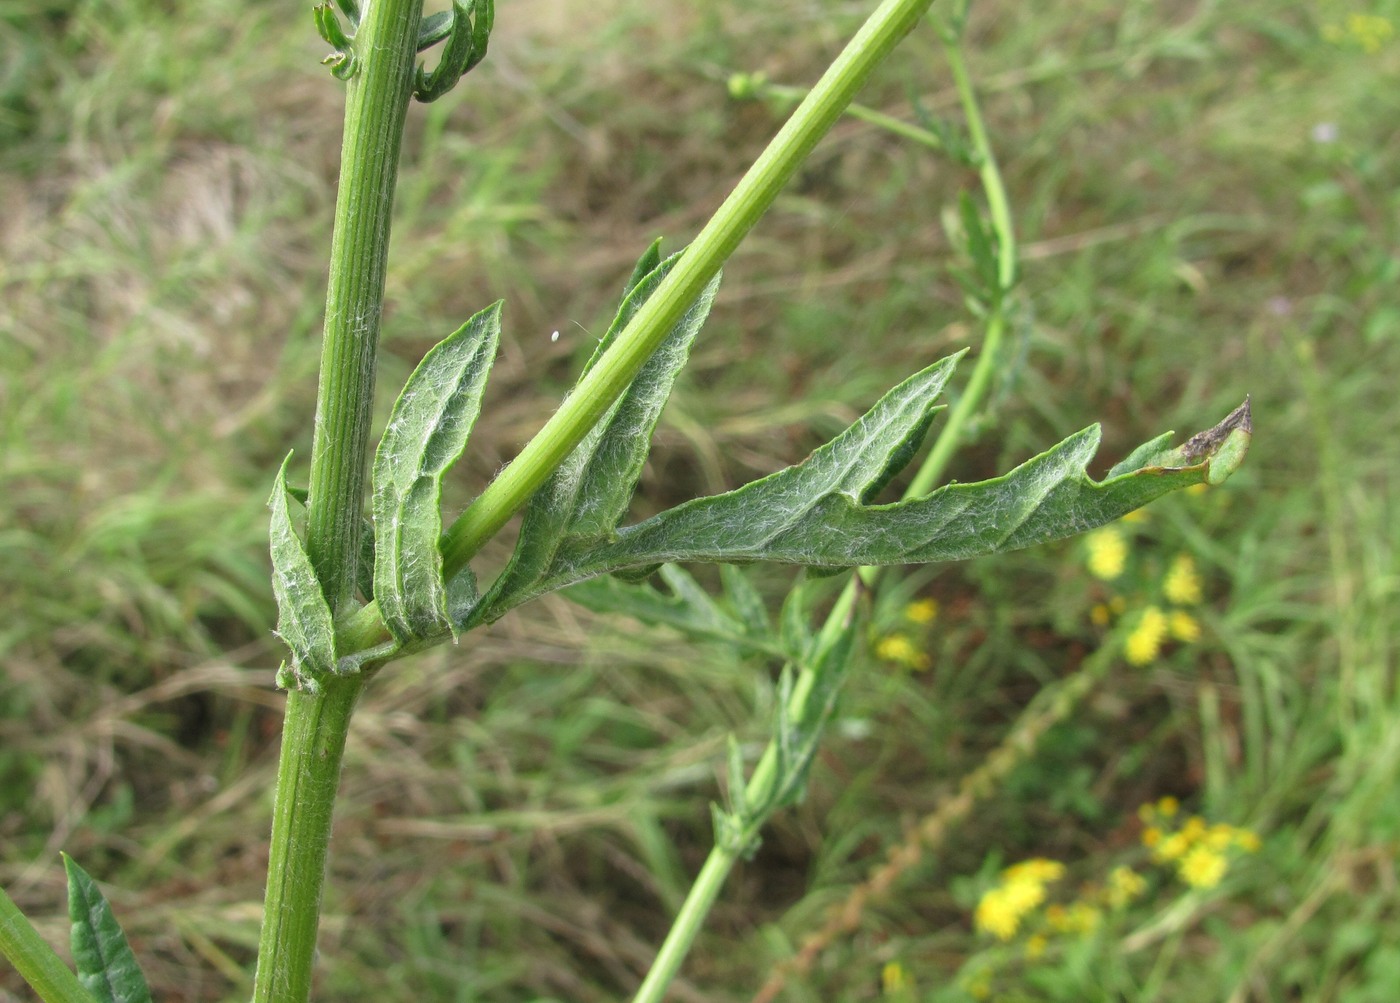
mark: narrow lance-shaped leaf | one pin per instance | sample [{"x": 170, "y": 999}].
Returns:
[
  {"x": 812, "y": 514},
  {"x": 427, "y": 432},
  {"x": 687, "y": 608},
  {"x": 585, "y": 498},
  {"x": 106, "y": 966},
  {"x": 303, "y": 615}
]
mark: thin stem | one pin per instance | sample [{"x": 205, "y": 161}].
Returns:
[
  {"x": 35, "y": 960},
  {"x": 890, "y": 22},
  {"x": 751, "y": 197},
  {"x": 376, "y": 107},
  {"x": 722, "y": 859},
  {"x": 315, "y": 728},
  {"x": 308, "y": 774},
  {"x": 935, "y": 465}
]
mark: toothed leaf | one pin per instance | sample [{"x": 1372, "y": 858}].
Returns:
[
  {"x": 811, "y": 514},
  {"x": 427, "y": 432}
]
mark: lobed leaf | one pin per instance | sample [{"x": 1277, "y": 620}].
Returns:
[
  {"x": 814, "y": 514},
  {"x": 106, "y": 966},
  {"x": 303, "y": 615},
  {"x": 427, "y": 432},
  {"x": 588, "y": 494}
]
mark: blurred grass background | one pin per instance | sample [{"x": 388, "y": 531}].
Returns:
[{"x": 1207, "y": 195}]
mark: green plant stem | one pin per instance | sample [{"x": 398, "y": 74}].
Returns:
[
  {"x": 751, "y": 197},
  {"x": 308, "y": 773},
  {"x": 935, "y": 465},
  {"x": 862, "y": 113},
  {"x": 376, "y": 107},
  {"x": 35, "y": 960},
  {"x": 722, "y": 858},
  {"x": 755, "y": 192},
  {"x": 314, "y": 732}
]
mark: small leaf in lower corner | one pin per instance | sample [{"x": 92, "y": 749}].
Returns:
[{"x": 106, "y": 966}]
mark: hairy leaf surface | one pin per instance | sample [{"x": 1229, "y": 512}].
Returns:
[
  {"x": 588, "y": 494},
  {"x": 427, "y": 432},
  {"x": 106, "y": 966},
  {"x": 814, "y": 513},
  {"x": 303, "y": 615}
]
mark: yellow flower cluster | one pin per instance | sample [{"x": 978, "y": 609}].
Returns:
[
  {"x": 1108, "y": 553},
  {"x": 1181, "y": 587},
  {"x": 1183, "y": 583},
  {"x": 1368, "y": 32},
  {"x": 899, "y": 648},
  {"x": 1145, "y": 642},
  {"x": 1021, "y": 890},
  {"x": 1199, "y": 851}
]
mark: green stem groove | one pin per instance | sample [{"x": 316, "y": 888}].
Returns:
[{"x": 314, "y": 732}]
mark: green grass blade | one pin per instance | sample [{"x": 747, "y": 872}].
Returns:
[
  {"x": 106, "y": 966},
  {"x": 34, "y": 959},
  {"x": 427, "y": 432},
  {"x": 303, "y": 616}
]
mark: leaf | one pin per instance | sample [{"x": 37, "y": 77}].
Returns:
[
  {"x": 688, "y": 609},
  {"x": 106, "y": 966},
  {"x": 588, "y": 494},
  {"x": 811, "y": 514},
  {"x": 427, "y": 432},
  {"x": 646, "y": 264},
  {"x": 303, "y": 615},
  {"x": 364, "y": 567}
]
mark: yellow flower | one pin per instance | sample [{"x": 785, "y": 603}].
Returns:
[
  {"x": 1202, "y": 867},
  {"x": 1108, "y": 552},
  {"x": 1035, "y": 946},
  {"x": 1124, "y": 885},
  {"x": 895, "y": 979},
  {"x": 1172, "y": 847},
  {"x": 1194, "y": 831},
  {"x": 1247, "y": 840},
  {"x": 1036, "y": 869},
  {"x": 1168, "y": 806},
  {"x": 1184, "y": 627},
  {"x": 1151, "y": 837},
  {"x": 899, "y": 649},
  {"x": 1136, "y": 515},
  {"x": 997, "y": 915},
  {"x": 1369, "y": 32},
  {"x": 1145, "y": 642},
  {"x": 1022, "y": 888},
  {"x": 1182, "y": 584},
  {"x": 1100, "y": 615},
  {"x": 1220, "y": 837},
  {"x": 922, "y": 611}
]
